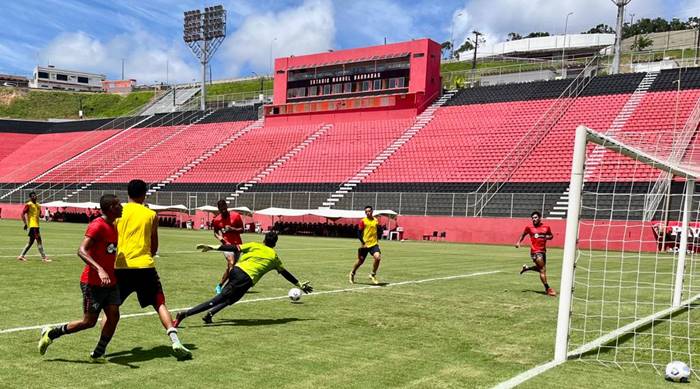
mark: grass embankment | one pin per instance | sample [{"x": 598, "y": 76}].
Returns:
[{"x": 23, "y": 104}]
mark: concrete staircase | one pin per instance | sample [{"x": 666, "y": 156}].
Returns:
[
  {"x": 206, "y": 155},
  {"x": 120, "y": 134},
  {"x": 421, "y": 121},
  {"x": 141, "y": 153},
  {"x": 280, "y": 161},
  {"x": 595, "y": 158}
]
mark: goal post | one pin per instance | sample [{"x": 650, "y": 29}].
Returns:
[{"x": 617, "y": 283}]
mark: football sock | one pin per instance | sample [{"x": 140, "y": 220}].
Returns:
[
  {"x": 58, "y": 331},
  {"x": 546, "y": 286},
  {"x": 101, "y": 346},
  {"x": 26, "y": 248},
  {"x": 172, "y": 333},
  {"x": 41, "y": 250}
]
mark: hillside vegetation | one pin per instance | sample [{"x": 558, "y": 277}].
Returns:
[{"x": 29, "y": 104}]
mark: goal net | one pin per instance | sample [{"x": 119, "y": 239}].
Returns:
[{"x": 630, "y": 277}]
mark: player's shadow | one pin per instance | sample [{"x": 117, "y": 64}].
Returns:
[
  {"x": 249, "y": 322},
  {"x": 534, "y": 291},
  {"x": 70, "y": 360},
  {"x": 371, "y": 283},
  {"x": 139, "y": 354}
]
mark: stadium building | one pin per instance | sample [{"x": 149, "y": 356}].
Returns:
[{"x": 50, "y": 77}]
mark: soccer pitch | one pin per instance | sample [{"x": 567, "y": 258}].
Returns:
[{"x": 450, "y": 316}]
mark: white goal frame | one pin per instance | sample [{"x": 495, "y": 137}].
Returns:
[{"x": 584, "y": 135}]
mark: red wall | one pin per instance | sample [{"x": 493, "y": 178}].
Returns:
[{"x": 424, "y": 74}]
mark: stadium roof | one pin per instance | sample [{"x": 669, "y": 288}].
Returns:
[
  {"x": 363, "y": 59},
  {"x": 547, "y": 46}
]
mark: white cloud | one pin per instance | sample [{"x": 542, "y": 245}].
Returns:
[
  {"x": 309, "y": 28},
  {"x": 145, "y": 56},
  {"x": 687, "y": 8},
  {"x": 372, "y": 20},
  {"x": 496, "y": 18}
]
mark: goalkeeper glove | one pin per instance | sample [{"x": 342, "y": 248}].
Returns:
[
  {"x": 218, "y": 288},
  {"x": 306, "y": 287},
  {"x": 207, "y": 247}
]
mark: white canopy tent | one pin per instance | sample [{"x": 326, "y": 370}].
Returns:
[
  {"x": 240, "y": 210},
  {"x": 166, "y": 208},
  {"x": 65, "y": 204},
  {"x": 333, "y": 214}
]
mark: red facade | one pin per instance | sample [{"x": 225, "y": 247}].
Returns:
[{"x": 393, "y": 76}]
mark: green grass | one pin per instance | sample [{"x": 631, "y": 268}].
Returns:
[
  {"x": 238, "y": 87},
  {"x": 21, "y": 104},
  {"x": 453, "y": 333}
]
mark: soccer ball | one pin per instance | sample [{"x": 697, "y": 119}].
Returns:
[
  {"x": 294, "y": 294},
  {"x": 676, "y": 371}
]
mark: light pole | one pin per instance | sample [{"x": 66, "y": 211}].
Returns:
[
  {"x": 203, "y": 32},
  {"x": 477, "y": 34},
  {"x": 452, "y": 33},
  {"x": 563, "y": 48},
  {"x": 697, "y": 41},
  {"x": 260, "y": 96},
  {"x": 620, "y": 4},
  {"x": 635, "y": 35},
  {"x": 272, "y": 42}
]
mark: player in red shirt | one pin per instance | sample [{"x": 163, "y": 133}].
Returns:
[
  {"x": 539, "y": 235},
  {"x": 227, "y": 229},
  {"x": 97, "y": 282}
]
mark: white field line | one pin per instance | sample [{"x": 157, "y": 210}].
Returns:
[
  {"x": 526, "y": 375},
  {"x": 150, "y": 313}
]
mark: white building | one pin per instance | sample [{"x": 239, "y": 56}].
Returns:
[
  {"x": 548, "y": 46},
  {"x": 52, "y": 78}
]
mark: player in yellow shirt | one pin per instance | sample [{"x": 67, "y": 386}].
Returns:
[
  {"x": 368, "y": 232},
  {"x": 30, "y": 216},
  {"x": 134, "y": 266},
  {"x": 256, "y": 260}
]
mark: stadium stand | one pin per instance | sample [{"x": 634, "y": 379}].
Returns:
[
  {"x": 242, "y": 159},
  {"x": 43, "y": 152}
]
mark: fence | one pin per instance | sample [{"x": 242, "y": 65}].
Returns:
[
  {"x": 231, "y": 99},
  {"x": 405, "y": 203}
]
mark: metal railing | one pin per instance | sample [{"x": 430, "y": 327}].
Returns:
[
  {"x": 405, "y": 203},
  {"x": 239, "y": 98},
  {"x": 521, "y": 150}
]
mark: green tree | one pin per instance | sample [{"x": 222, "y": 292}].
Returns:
[
  {"x": 466, "y": 46},
  {"x": 642, "y": 43},
  {"x": 536, "y": 34},
  {"x": 446, "y": 49},
  {"x": 514, "y": 36},
  {"x": 600, "y": 29}
]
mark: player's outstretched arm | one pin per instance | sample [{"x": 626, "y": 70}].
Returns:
[
  {"x": 517, "y": 244},
  {"x": 218, "y": 247},
  {"x": 304, "y": 286}
]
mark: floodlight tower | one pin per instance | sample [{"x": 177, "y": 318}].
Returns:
[
  {"x": 203, "y": 32},
  {"x": 618, "y": 34}
]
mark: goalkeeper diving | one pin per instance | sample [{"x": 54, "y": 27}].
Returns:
[{"x": 255, "y": 261}]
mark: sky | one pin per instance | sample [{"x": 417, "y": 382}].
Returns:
[{"x": 99, "y": 35}]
